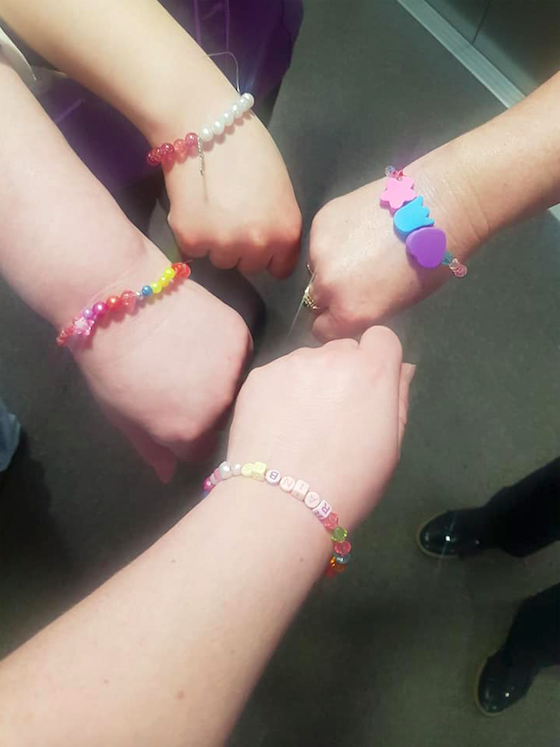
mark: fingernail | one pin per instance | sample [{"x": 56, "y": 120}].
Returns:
[{"x": 410, "y": 371}]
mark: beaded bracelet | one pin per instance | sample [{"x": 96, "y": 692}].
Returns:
[
  {"x": 426, "y": 244},
  {"x": 83, "y": 325},
  {"x": 192, "y": 142},
  {"x": 301, "y": 491}
]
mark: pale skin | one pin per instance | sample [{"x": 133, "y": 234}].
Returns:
[
  {"x": 485, "y": 180},
  {"x": 165, "y": 375},
  {"x": 137, "y": 57},
  {"x": 168, "y": 650}
]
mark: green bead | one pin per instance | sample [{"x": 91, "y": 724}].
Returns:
[{"x": 339, "y": 534}]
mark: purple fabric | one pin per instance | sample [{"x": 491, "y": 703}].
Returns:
[{"x": 261, "y": 34}]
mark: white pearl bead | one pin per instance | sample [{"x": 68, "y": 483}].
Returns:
[
  {"x": 228, "y": 118},
  {"x": 218, "y": 126},
  {"x": 206, "y": 134},
  {"x": 249, "y": 99},
  {"x": 237, "y": 111},
  {"x": 225, "y": 471},
  {"x": 236, "y": 469},
  {"x": 243, "y": 104}
]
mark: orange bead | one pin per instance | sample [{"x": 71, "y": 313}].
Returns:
[{"x": 113, "y": 302}]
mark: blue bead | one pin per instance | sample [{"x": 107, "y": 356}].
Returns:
[
  {"x": 412, "y": 216},
  {"x": 342, "y": 559},
  {"x": 147, "y": 291},
  {"x": 447, "y": 257}
]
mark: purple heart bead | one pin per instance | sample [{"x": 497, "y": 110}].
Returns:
[{"x": 427, "y": 246}]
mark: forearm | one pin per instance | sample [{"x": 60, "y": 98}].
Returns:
[
  {"x": 169, "y": 649},
  {"x": 64, "y": 240},
  {"x": 500, "y": 173},
  {"x": 132, "y": 53}
]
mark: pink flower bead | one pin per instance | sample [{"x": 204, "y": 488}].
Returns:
[
  {"x": 331, "y": 522},
  {"x": 342, "y": 548},
  {"x": 180, "y": 146},
  {"x": 154, "y": 157},
  {"x": 191, "y": 141},
  {"x": 99, "y": 309},
  {"x": 128, "y": 300}
]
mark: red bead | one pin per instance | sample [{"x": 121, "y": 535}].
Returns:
[
  {"x": 113, "y": 302},
  {"x": 154, "y": 157},
  {"x": 331, "y": 522},
  {"x": 186, "y": 270},
  {"x": 342, "y": 548},
  {"x": 166, "y": 150},
  {"x": 128, "y": 299},
  {"x": 179, "y": 146},
  {"x": 191, "y": 141}
]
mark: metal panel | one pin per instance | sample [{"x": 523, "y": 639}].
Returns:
[{"x": 464, "y": 15}]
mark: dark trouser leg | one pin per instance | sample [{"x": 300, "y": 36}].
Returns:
[
  {"x": 525, "y": 517},
  {"x": 534, "y": 638}
]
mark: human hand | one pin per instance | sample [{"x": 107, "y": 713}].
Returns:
[
  {"x": 362, "y": 272},
  {"x": 333, "y": 416},
  {"x": 166, "y": 374},
  {"x": 243, "y": 212}
]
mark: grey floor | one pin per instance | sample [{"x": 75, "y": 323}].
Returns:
[{"x": 386, "y": 656}]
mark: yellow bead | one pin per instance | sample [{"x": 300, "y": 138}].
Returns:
[
  {"x": 169, "y": 272},
  {"x": 164, "y": 281},
  {"x": 259, "y": 471},
  {"x": 247, "y": 470},
  {"x": 156, "y": 287}
]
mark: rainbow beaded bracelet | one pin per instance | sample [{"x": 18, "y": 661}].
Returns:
[
  {"x": 82, "y": 326},
  {"x": 300, "y": 490},
  {"x": 167, "y": 153},
  {"x": 428, "y": 245}
]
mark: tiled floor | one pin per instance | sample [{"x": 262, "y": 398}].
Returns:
[{"x": 388, "y": 657}]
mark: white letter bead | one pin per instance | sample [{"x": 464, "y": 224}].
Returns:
[
  {"x": 225, "y": 471},
  {"x": 228, "y": 118},
  {"x": 273, "y": 477},
  {"x": 236, "y": 469},
  {"x": 300, "y": 489},
  {"x": 206, "y": 134},
  {"x": 312, "y": 499},
  {"x": 259, "y": 471},
  {"x": 322, "y": 510},
  {"x": 247, "y": 470},
  {"x": 287, "y": 484}
]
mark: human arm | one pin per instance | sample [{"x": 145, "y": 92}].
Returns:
[
  {"x": 168, "y": 650},
  {"x": 137, "y": 57},
  {"x": 64, "y": 244},
  {"x": 479, "y": 183}
]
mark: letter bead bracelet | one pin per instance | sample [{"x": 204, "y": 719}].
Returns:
[
  {"x": 301, "y": 491},
  {"x": 428, "y": 245},
  {"x": 83, "y": 325}
]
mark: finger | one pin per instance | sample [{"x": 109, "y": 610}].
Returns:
[
  {"x": 383, "y": 344},
  {"x": 284, "y": 260},
  {"x": 344, "y": 344},
  {"x": 408, "y": 371},
  {"x": 326, "y": 327},
  {"x": 223, "y": 260},
  {"x": 252, "y": 263}
]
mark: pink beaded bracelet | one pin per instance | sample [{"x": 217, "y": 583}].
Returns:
[
  {"x": 167, "y": 153},
  {"x": 82, "y": 326},
  {"x": 300, "y": 490}
]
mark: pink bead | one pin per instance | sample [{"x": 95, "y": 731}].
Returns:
[
  {"x": 331, "y": 522},
  {"x": 180, "y": 146},
  {"x": 166, "y": 150},
  {"x": 217, "y": 475},
  {"x": 191, "y": 141},
  {"x": 207, "y": 485},
  {"x": 342, "y": 548},
  {"x": 87, "y": 313},
  {"x": 99, "y": 309},
  {"x": 128, "y": 300},
  {"x": 154, "y": 157}
]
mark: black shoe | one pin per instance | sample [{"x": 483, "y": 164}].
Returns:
[
  {"x": 454, "y": 534},
  {"x": 500, "y": 684}
]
